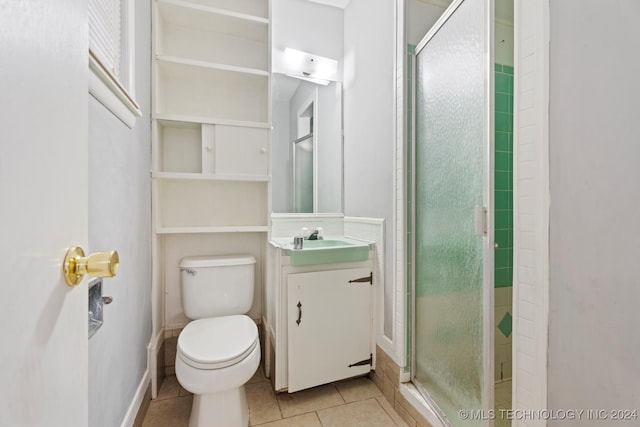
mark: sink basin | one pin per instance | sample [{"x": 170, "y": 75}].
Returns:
[{"x": 328, "y": 251}]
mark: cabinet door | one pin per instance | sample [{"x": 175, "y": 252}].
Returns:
[
  {"x": 329, "y": 321},
  {"x": 241, "y": 151}
]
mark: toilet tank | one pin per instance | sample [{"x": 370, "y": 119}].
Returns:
[{"x": 215, "y": 286}]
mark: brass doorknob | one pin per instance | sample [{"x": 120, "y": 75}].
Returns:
[{"x": 99, "y": 264}]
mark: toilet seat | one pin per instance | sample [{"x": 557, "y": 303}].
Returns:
[{"x": 217, "y": 342}]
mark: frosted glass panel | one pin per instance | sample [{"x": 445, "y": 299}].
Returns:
[{"x": 450, "y": 128}]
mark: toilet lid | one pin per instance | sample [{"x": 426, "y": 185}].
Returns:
[{"x": 217, "y": 342}]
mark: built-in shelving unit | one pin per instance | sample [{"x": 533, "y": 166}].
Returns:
[{"x": 211, "y": 120}]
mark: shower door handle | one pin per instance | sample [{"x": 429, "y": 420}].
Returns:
[{"x": 481, "y": 220}]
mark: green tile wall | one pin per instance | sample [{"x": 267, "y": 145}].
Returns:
[{"x": 504, "y": 175}]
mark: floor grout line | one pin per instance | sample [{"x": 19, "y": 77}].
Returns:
[
  {"x": 278, "y": 403},
  {"x": 339, "y": 394},
  {"x": 331, "y": 389},
  {"x": 382, "y": 406}
]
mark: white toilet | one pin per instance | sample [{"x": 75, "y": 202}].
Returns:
[{"x": 219, "y": 351}]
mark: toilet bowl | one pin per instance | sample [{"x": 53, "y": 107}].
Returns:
[
  {"x": 219, "y": 351},
  {"x": 215, "y": 358}
]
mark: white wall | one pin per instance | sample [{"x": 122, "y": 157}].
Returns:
[
  {"x": 594, "y": 229},
  {"x": 420, "y": 17},
  {"x": 306, "y": 26},
  {"x": 119, "y": 218},
  {"x": 369, "y": 40},
  {"x": 504, "y": 44}
]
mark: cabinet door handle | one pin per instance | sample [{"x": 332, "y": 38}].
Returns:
[{"x": 299, "y": 313}]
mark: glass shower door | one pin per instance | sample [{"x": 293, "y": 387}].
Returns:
[{"x": 452, "y": 363}]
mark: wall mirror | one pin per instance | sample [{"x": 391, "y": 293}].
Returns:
[{"x": 306, "y": 143}]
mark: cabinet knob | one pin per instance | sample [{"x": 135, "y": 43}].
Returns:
[
  {"x": 99, "y": 264},
  {"x": 208, "y": 148},
  {"x": 263, "y": 150}
]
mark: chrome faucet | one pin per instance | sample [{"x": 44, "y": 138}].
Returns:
[
  {"x": 298, "y": 241},
  {"x": 316, "y": 234}
]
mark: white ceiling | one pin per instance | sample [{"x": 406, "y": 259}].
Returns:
[{"x": 335, "y": 3}]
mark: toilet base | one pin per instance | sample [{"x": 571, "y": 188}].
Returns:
[{"x": 226, "y": 408}]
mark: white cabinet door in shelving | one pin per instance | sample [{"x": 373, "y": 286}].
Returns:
[
  {"x": 241, "y": 150},
  {"x": 329, "y": 327}
]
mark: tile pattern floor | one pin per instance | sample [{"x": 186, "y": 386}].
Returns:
[
  {"x": 503, "y": 402},
  {"x": 350, "y": 403}
]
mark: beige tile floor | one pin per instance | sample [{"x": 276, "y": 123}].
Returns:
[
  {"x": 503, "y": 401},
  {"x": 349, "y": 403}
]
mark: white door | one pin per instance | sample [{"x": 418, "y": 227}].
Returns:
[
  {"x": 43, "y": 211},
  {"x": 329, "y": 326}
]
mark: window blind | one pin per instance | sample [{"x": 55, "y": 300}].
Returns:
[{"x": 104, "y": 33}]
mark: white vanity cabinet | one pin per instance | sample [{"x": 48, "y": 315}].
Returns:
[
  {"x": 329, "y": 324},
  {"x": 319, "y": 321}
]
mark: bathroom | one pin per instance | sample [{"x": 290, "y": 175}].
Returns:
[
  {"x": 55, "y": 376},
  {"x": 181, "y": 227}
]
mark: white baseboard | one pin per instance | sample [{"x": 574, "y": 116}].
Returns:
[
  {"x": 132, "y": 412},
  {"x": 152, "y": 360}
]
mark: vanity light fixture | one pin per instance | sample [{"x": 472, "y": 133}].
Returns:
[{"x": 309, "y": 67}]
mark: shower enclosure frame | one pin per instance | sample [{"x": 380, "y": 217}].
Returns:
[{"x": 487, "y": 392}]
